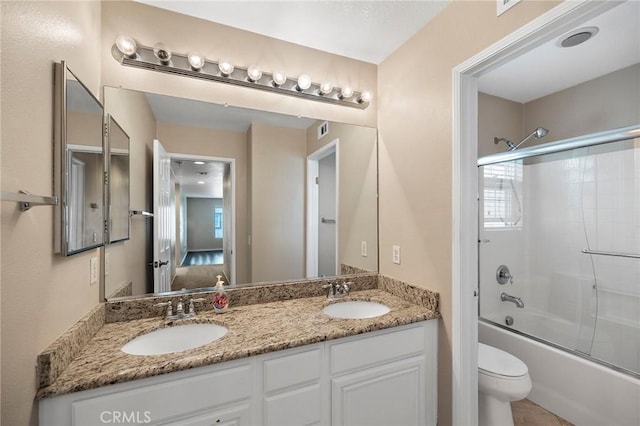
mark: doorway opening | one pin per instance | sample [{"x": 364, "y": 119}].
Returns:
[
  {"x": 322, "y": 211},
  {"x": 199, "y": 221},
  {"x": 203, "y": 212}
]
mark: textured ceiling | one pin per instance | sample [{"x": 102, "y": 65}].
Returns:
[
  {"x": 550, "y": 68},
  {"x": 365, "y": 30}
]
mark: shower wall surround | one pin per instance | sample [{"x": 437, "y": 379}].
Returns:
[{"x": 568, "y": 202}]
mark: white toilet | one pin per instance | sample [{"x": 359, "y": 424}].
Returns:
[{"x": 502, "y": 378}]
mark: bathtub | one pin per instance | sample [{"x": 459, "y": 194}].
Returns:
[{"x": 577, "y": 389}]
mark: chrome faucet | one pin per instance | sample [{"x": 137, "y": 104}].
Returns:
[
  {"x": 507, "y": 298},
  {"x": 337, "y": 290},
  {"x": 180, "y": 312}
]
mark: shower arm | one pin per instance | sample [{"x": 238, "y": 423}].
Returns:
[{"x": 513, "y": 148}]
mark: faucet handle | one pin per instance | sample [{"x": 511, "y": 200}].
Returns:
[
  {"x": 344, "y": 287},
  {"x": 169, "y": 306},
  {"x": 192, "y": 308},
  {"x": 332, "y": 286}
]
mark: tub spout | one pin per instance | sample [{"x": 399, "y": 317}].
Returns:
[{"x": 507, "y": 298}]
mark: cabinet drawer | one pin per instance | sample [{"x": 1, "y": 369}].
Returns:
[
  {"x": 168, "y": 400},
  {"x": 297, "y": 407},
  {"x": 369, "y": 351},
  {"x": 292, "y": 370}
]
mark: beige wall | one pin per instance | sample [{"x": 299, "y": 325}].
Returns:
[
  {"x": 498, "y": 117},
  {"x": 414, "y": 121},
  {"x": 128, "y": 259},
  {"x": 149, "y": 25},
  {"x": 42, "y": 293},
  {"x": 200, "y": 230},
  {"x": 277, "y": 196},
  {"x": 358, "y": 187},
  {"x": 604, "y": 103},
  {"x": 178, "y": 139}
]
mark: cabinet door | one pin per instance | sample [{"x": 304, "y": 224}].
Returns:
[
  {"x": 238, "y": 415},
  {"x": 388, "y": 395}
]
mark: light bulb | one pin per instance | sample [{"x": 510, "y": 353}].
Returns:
[
  {"x": 346, "y": 92},
  {"x": 162, "y": 53},
  {"x": 196, "y": 60},
  {"x": 365, "y": 97},
  {"x": 278, "y": 78},
  {"x": 254, "y": 73},
  {"x": 225, "y": 67},
  {"x": 326, "y": 88},
  {"x": 304, "y": 82},
  {"x": 200, "y": 182},
  {"x": 127, "y": 46},
  {"x": 198, "y": 162}
]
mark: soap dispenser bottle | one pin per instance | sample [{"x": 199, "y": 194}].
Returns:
[{"x": 220, "y": 298}]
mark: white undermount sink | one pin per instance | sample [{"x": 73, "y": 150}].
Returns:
[
  {"x": 355, "y": 309},
  {"x": 174, "y": 339}
]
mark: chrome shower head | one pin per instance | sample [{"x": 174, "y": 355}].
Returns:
[{"x": 539, "y": 132}]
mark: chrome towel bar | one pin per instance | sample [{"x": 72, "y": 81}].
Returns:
[
  {"x": 140, "y": 213},
  {"x": 26, "y": 200},
  {"x": 610, "y": 253}
]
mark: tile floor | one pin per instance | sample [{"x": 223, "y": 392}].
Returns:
[{"x": 527, "y": 413}]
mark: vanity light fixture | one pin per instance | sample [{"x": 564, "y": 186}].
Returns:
[
  {"x": 127, "y": 46},
  {"x": 278, "y": 79},
  {"x": 254, "y": 74},
  {"x": 326, "y": 87},
  {"x": 162, "y": 53},
  {"x": 304, "y": 82},
  {"x": 345, "y": 93},
  {"x": 365, "y": 97},
  {"x": 226, "y": 68},
  {"x": 196, "y": 61},
  {"x": 159, "y": 58}
]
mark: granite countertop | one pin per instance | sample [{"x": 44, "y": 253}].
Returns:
[{"x": 253, "y": 330}]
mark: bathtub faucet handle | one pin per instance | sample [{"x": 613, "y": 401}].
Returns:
[{"x": 503, "y": 275}]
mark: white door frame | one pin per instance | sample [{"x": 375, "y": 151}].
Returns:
[
  {"x": 548, "y": 26},
  {"x": 312, "y": 206},
  {"x": 232, "y": 163}
]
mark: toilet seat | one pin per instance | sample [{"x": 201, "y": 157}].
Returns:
[{"x": 498, "y": 363}]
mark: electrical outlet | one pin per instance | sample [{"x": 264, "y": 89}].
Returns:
[
  {"x": 106, "y": 264},
  {"x": 396, "y": 255},
  {"x": 363, "y": 249},
  {"x": 94, "y": 270}
]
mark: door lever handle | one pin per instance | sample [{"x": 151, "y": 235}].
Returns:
[{"x": 160, "y": 264}]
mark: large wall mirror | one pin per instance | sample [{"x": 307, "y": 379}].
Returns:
[
  {"x": 79, "y": 165},
  {"x": 250, "y": 195}
]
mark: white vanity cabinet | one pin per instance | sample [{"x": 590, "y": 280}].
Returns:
[
  {"x": 386, "y": 377},
  {"x": 218, "y": 394}
]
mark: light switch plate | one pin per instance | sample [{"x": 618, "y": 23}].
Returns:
[
  {"x": 396, "y": 255},
  {"x": 363, "y": 249}
]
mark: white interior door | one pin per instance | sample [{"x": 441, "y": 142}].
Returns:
[
  {"x": 162, "y": 218},
  {"x": 327, "y": 226}
]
